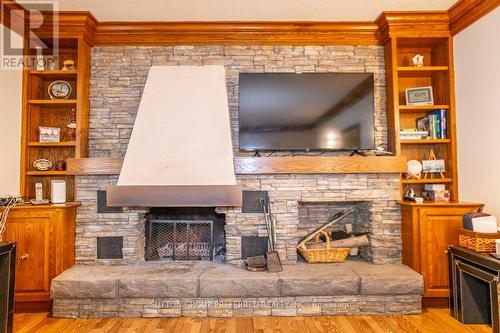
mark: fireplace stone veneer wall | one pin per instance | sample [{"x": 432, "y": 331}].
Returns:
[
  {"x": 288, "y": 192},
  {"x": 377, "y": 192},
  {"x": 118, "y": 75}
]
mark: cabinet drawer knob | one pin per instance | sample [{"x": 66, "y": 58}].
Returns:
[{"x": 24, "y": 257}]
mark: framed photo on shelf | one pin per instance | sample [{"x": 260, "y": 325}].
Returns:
[
  {"x": 50, "y": 134},
  {"x": 433, "y": 166},
  {"x": 419, "y": 96}
]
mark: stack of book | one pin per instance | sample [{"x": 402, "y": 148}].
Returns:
[
  {"x": 434, "y": 124},
  {"x": 412, "y": 134}
]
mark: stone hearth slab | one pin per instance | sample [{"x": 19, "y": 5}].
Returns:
[
  {"x": 318, "y": 280},
  {"x": 164, "y": 280},
  {"x": 86, "y": 282},
  {"x": 231, "y": 281},
  {"x": 211, "y": 279},
  {"x": 388, "y": 279}
]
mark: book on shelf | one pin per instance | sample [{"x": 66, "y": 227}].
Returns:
[
  {"x": 412, "y": 134},
  {"x": 435, "y": 187},
  {"x": 435, "y": 123}
]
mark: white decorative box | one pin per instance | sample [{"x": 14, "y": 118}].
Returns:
[
  {"x": 484, "y": 224},
  {"x": 58, "y": 191}
]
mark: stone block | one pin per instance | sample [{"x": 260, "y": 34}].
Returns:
[
  {"x": 319, "y": 280},
  {"x": 82, "y": 282},
  {"x": 229, "y": 281},
  {"x": 151, "y": 281},
  {"x": 284, "y": 312},
  {"x": 387, "y": 279}
]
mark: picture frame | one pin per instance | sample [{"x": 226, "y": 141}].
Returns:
[
  {"x": 433, "y": 166},
  {"x": 49, "y": 134},
  {"x": 419, "y": 96}
]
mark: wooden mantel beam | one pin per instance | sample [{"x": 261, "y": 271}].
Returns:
[{"x": 266, "y": 165}]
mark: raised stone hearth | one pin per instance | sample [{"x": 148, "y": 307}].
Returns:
[{"x": 201, "y": 289}]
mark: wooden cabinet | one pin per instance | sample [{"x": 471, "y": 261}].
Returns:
[
  {"x": 427, "y": 230},
  {"x": 45, "y": 237}
]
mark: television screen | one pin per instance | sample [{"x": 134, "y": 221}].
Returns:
[{"x": 310, "y": 111}]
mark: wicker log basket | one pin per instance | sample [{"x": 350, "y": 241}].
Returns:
[
  {"x": 319, "y": 254},
  {"x": 477, "y": 241}
]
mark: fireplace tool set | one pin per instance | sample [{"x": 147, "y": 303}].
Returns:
[
  {"x": 272, "y": 256},
  {"x": 271, "y": 260}
]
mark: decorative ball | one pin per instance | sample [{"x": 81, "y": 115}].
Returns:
[{"x": 413, "y": 167}]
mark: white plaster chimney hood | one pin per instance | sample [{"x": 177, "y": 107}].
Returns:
[{"x": 180, "y": 151}]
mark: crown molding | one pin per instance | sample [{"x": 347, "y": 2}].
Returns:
[
  {"x": 413, "y": 24},
  {"x": 69, "y": 25},
  {"x": 466, "y": 12},
  {"x": 11, "y": 18},
  {"x": 389, "y": 24},
  {"x": 236, "y": 33}
]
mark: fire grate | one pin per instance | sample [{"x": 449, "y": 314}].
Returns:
[{"x": 179, "y": 240}]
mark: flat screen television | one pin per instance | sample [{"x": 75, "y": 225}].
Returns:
[{"x": 306, "y": 112}]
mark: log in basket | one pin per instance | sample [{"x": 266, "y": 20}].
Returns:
[
  {"x": 315, "y": 251},
  {"x": 323, "y": 255}
]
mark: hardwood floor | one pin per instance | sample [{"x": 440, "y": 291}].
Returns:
[{"x": 432, "y": 320}]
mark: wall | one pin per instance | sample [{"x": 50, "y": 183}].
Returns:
[
  {"x": 477, "y": 76},
  {"x": 245, "y": 10},
  {"x": 10, "y": 129}
]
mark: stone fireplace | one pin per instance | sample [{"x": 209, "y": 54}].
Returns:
[
  {"x": 118, "y": 76},
  {"x": 131, "y": 286}
]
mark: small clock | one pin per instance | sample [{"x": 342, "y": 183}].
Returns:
[{"x": 59, "y": 90}]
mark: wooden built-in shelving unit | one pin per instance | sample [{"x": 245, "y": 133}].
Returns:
[
  {"x": 437, "y": 72},
  {"x": 40, "y": 110}
]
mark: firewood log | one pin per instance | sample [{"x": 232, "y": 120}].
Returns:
[{"x": 351, "y": 242}]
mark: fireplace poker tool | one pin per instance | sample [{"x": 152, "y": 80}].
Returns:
[{"x": 272, "y": 256}]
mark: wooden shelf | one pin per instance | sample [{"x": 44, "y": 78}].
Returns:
[
  {"x": 69, "y": 204},
  {"x": 55, "y": 74},
  {"x": 427, "y": 181},
  {"x": 441, "y": 203},
  {"x": 52, "y": 102},
  {"x": 425, "y": 141},
  {"x": 52, "y": 144},
  {"x": 421, "y": 108},
  {"x": 422, "y": 69},
  {"x": 47, "y": 173},
  {"x": 409, "y": 71}
]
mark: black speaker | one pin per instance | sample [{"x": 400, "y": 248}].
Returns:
[{"x": 7, "y": 278}]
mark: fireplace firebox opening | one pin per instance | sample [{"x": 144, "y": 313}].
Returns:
[{"x": 185, "y": 234}]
